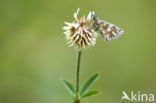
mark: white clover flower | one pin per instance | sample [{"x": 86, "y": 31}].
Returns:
[{"x": 79, "y": 33}]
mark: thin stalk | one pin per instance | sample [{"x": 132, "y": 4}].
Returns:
[{"x": 77, "y": 75}]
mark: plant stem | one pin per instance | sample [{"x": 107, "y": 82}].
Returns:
[{"x": 77, "y": 75}]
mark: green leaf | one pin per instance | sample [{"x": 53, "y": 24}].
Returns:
[
  {"x": 88, "y": 83},
  {"x": 69, "y": 87},
  {"x": 90, "y": 93}
]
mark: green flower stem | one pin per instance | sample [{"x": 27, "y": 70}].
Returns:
[{"x": 77, "y": 75}]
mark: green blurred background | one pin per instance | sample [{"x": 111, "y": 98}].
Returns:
[{"x": 34, "y": 55}]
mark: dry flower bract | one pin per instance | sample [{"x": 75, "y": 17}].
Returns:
[{"x": 78, "y": 33}]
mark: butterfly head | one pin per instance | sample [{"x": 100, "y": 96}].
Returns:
[{"x": 91, "y": 16}]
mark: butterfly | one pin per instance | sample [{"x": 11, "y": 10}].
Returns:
[{"x": 107, "y": 30}]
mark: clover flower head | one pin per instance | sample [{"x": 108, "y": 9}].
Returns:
[{"x": 79, "y": 32}]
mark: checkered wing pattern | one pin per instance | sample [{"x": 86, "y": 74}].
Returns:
[{"x": 108, "y": 31}]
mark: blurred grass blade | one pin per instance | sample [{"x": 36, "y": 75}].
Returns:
[
  {"x": 69, "y": 87},
  {"x": 88, "y": 84},
  {"x": 90, "y": 93}
]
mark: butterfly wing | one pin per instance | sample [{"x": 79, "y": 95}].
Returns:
[{"x": 109, "y": 31}]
